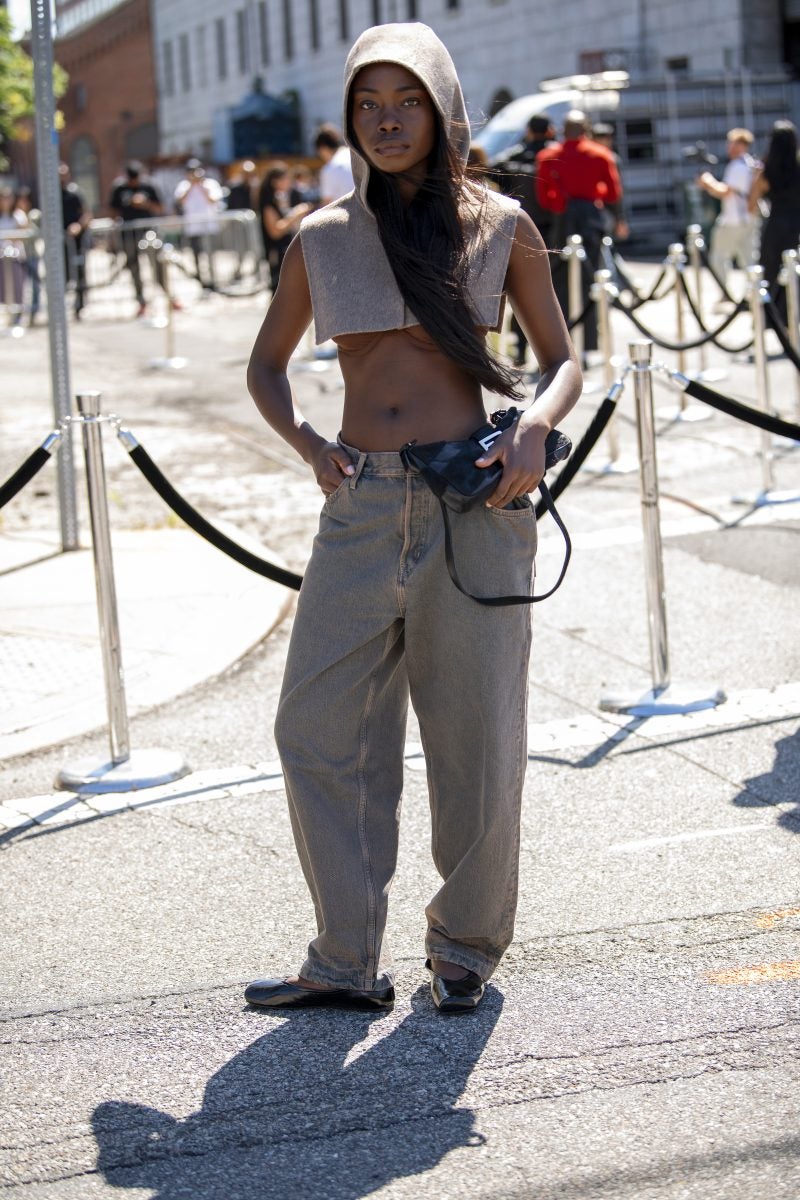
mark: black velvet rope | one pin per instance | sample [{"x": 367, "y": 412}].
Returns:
[
  {"x": 181, "y": 507},
  {"x": 690, "y": 345},
  {"x": 783, "y": 335},
  {"x": 690, "y": 301},
  {"x": 23, "y": 475},
  {"x": 743, "y": 412},
  {"x": 581, "y": 317},
  {"x": 707, "y": 264},
  {"x": 638, "y": 298},
  {"x": 581, "y": 452}
]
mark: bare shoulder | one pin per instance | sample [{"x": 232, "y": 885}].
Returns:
[{"x": 528, "y": 247}]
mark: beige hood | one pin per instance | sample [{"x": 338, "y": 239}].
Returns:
[{"x": 416, "y": 47}]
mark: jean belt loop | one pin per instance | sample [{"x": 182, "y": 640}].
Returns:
[{"x": 354, "y": 478}]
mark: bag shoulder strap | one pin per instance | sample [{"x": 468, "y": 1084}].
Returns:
[{"x": 505, "y": 601}]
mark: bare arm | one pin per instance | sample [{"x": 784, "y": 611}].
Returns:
[
  {"x": 713, "y": 186},
  {"x": 276, "y": 226},
  {"x": 530, "y": 288},
  {"x": 287, "y": 319},
  {"x": 758, "y": 191}
]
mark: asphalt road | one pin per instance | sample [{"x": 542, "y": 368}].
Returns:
[{"x": 642, "y": 1036}]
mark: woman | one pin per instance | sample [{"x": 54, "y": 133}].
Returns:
[
  {"x": 279, "y": 222},
  {"x": 778, "y": 182},
  {"x": 407, "y": 273},
  {"x": 12, "y": 256}
]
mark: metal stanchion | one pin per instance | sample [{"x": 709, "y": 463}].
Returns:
[
  {"x": 162, "y": 257},
  {"x": 758, "y": 296},
  {"x": 125, "y": 771},
  {"x": 695, "y": 244},
  {"x": 575, "y": 255},
  {"x": 685, "y": 411},
  {"x": 603, "y": 292},
  {"x": 788, "y": 279},
  {"x": 663, "y": 696}
]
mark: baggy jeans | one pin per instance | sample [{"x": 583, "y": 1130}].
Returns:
[{"x": 379, "y": 619}]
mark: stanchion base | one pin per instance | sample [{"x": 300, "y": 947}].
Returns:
[
  {"x": 155, "y": 322},
  {"x": 763, "y": 499},
  {"x": 13, "y": 331},
  {"x": 685, "y": 416},
  {"x": 144, "y": 769},
  {"x": 167, "y": 364},
  {"x": 655, "y": 702},
  {"x": 625, "y": 464}
]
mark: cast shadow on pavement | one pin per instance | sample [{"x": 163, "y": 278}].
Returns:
[
  {"x": 320, "y": 1105},
  {"x": 780, "y": 785}
]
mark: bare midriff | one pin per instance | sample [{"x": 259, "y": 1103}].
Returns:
[{"x": 399, "y": 386}]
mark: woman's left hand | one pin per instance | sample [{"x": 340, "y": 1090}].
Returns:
[{"x": 521, "y": 451}]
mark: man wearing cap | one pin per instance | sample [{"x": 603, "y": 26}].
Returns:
[
  {"x": 198, "y": 198},
  {"x": 577, "y": 180}
]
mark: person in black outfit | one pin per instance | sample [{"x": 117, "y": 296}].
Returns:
[
  {"x": 75, "y": 221},
  {"x": 279, "y": 221},
  {"x": 132, "y": 198},
  {"x": 515, "y": 175},
  {"x": 778, "y": 182}
]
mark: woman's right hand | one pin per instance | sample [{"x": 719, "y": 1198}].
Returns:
[{"x": 331, "y": 464}]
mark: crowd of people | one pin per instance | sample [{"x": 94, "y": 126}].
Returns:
[
  {"x": 567, "y": 186},
  {"x": 280, "y": 200}
]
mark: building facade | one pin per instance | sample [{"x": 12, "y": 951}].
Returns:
[
  {"x": 208, "y": 53},
  {"x": 110, "y": 107}
]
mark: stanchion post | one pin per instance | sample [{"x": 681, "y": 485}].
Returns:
[
  {"x": 602, "y": 292},
  {"x": 792, "y": 287},
  {"x": 107, "y": 615},
  {"x": 694, "y": 246},
  {"x": 163, "y": 257},
  {"x": 124, "y": 771},
  {"x": 641, "y": 356},
  {"x": 575, "y": 256},
  {"x": 757, "y": 296},
  {"x": 677, "y": 261},
  {"x": 663, "y": 696}
]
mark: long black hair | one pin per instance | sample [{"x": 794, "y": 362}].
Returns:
[
  {"x": 426, "y": 245},
  {"x": 781, "y": 167}
]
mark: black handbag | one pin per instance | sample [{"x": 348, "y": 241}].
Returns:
[{"x": 449, "y": 470}]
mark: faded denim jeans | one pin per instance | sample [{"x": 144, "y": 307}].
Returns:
[{"x": 379, "y": 620}]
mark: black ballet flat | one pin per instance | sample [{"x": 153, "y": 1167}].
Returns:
[
  {"x": 456, "y": 995},
  {"x": 279, "y": 993}
]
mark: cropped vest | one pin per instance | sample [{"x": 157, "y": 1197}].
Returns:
[{"x": 353, "y": 288}]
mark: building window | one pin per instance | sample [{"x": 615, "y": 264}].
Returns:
[
  {"x": 376, "y": 12},
  {"x": 201, "y": 56},
  {"x": 313, "y": 17},
  {"x": 411, "y": 10},
  {"x": 184, "y": 63},
  {"x": 288, "y": 33},
  {"x": 453, "y": 4},
  {"x": 263, "y": 33},
  {"x": 344, "y": 21},
  {"x": 169, "y": 69},
  {"x": 639, "y": 140},
  {"x": 679, "y": 65},
  {"x": 222, "y": 48},
  {"x": 242, "y": 45}
]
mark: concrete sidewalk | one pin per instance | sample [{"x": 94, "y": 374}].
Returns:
[{"x": 186, "y": 613}]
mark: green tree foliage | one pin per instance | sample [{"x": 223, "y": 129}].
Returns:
[{"x": 16, "y": 84}]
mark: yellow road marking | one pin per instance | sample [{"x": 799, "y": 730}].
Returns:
[{"x": 776, "y": 972}]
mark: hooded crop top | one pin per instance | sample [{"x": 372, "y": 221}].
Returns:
[{"x": 353, "y": 288}]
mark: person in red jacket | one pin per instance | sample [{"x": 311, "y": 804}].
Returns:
[{"x": 576, "y": 180}]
